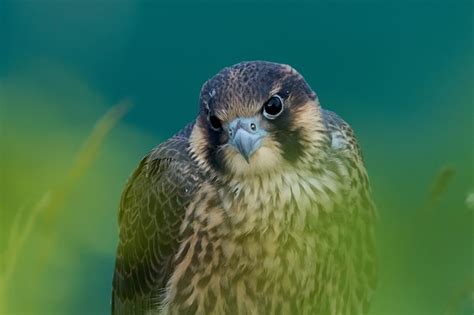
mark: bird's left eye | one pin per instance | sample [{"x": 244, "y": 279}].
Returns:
[{"x": 273, "y": 107}]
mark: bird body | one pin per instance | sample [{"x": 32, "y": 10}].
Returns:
[{"x": 249, "y": 210}]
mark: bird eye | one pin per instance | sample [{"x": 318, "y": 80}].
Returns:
[
  {"x": 273, "y": 107},
  {"x": 215, "y": 123}
]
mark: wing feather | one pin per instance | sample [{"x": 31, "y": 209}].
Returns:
[
  {"x": 356, "y": 226},
  {"x": 151, "y": 211}
]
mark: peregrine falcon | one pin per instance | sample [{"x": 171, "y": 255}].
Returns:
[{"x": 262, "y": 205}]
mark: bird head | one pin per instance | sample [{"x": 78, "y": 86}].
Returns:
[{"x": 256, "y": 117}]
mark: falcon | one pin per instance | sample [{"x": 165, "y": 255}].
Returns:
[{"x": 262, "y": 205}]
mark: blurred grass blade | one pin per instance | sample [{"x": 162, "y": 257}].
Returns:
[
  {"x": 443, "y": 178},
  {"x": 52, "y": 200},
  {"x": 438, "y": 188}
]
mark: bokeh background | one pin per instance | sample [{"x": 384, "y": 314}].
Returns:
[{"x": 401, "y": 72}]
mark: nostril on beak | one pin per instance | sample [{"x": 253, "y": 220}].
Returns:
[{"x": 247, "y": 124}]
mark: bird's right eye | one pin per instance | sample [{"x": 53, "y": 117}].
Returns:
[
  {"x": 273, "y": 107},
  {"x": 215, "y": 123}
]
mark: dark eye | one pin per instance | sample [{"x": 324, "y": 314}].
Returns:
[
  {"x": 273, "y": 107},
  {"x": 215, "y": 123}
]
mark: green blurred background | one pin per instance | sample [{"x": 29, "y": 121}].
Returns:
[{"x": 401, "y": 72}]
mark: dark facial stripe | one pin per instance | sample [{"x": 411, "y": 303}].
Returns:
[
  {"x": 215, "y": 138},
  {"x": 290, "y": 140}
]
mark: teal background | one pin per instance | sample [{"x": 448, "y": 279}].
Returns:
[{"x": 400, "y": 72}]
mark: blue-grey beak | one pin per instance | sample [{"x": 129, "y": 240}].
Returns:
[{"x": 246, "y": 135}]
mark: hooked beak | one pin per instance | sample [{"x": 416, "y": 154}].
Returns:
[{"x": 246, "y": 135}]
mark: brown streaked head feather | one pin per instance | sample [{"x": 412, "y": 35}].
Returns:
[{"x": 240, "y": 90}]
